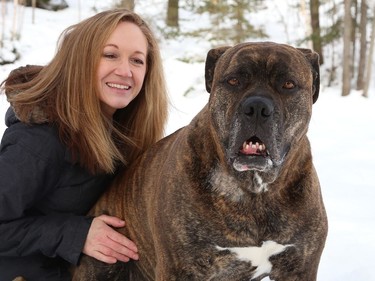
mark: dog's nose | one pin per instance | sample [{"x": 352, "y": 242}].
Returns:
[{"x": 258, "y": 107}]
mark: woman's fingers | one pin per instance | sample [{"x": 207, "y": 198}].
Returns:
[
  {"x": 123, "y": 241},
  {"x": 112, "y": 221},
  {"x": 108, "y": 255},
  {"x": 120, "y": 246},
  {"x": 106, "y": 244}
]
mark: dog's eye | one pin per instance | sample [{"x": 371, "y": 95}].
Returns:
[
  {"x": 289, "y": 85},
  {"x": 233, "y": 82}
]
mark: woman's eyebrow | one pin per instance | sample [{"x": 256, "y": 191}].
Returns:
[{"x": 117, "y": 47}]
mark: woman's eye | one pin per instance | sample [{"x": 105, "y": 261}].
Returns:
[
  {"x": 289, "y": 85},
  {"x": 233, "y": 82},
  {"x": 138, "y": 61},
  {"x": 109, "y": 55}
]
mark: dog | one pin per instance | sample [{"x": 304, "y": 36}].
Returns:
[{"x": 233, "y": 195}]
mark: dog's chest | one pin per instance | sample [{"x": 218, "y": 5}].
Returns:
[
  {"x": 246, "y": 217},
  {"x": 258, "y": 256}
]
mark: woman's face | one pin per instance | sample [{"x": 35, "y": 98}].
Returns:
[{"x": 122, "y": 67}]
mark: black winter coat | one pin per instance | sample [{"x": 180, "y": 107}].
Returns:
[{"x": 43, "y": 201}]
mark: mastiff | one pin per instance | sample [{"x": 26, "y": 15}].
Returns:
[{"x": 234, "y": 195}]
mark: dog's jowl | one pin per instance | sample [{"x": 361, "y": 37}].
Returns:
[{"x": 234, "y": 195}]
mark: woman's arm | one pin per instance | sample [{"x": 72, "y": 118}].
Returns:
[{"x": 30, "y": 167}]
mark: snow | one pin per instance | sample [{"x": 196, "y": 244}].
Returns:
[{"x": 342, "y": 130}]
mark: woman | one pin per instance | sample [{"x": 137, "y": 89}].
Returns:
[{"x": 95, "y": 107}]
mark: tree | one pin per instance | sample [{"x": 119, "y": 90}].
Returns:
[
  {"x": 33, "y": 4},
  {"x": 236, "y": 27},
  {"x": 370, "y": 59},
  {"x": 3, "y": 13},
  {"x": 8, "y": 50},
  {"x": 127, "y": 4},
  {"x": 172, "y": 13},
  {"x": 363, "y": 46},
  {"x": 315, "y": 26},
  {"x": 347, "y": 55},
  {"x": 46, "y": 4},
  {"x": 16, "y": 26},
  {"x": 331, "y": 33}
]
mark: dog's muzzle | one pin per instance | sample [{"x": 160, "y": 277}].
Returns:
[{"x": 253, "y": 154}]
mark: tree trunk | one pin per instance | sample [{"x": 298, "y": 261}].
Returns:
[
  {"x": 363, "y": 46},
  {"x": 172, "y": 13},
  {"x": 370, "y": 59},
  {"x": 15, "y": 21},
  {"x": 239, "y": 15},
  {"x": 354, "y": 27},
  {"x": 3, "y": 13},
  {"x": 127, "y": 4},
  {"x": 315, "y": 26},
  {"x": 346, "y": 69},
  {"x": 33, "y": 4}
]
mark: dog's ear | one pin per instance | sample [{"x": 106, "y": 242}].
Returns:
[
  {"x": 313, "y": 58},
  {"x": 212, "y": 56}
]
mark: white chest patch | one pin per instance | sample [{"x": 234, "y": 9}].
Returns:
[
  {"x": 258, "y": 181},
  {"x": 258, "y": 256}
]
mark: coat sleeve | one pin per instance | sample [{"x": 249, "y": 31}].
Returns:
[{"x": 30, "y": 165}]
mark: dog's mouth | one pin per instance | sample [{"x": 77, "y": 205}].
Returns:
[
  {"x": 252, "y": 155},
  {"x": 254, "y": 147}
]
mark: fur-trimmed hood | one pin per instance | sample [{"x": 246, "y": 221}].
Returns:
[{"x": 18, "y": 76}]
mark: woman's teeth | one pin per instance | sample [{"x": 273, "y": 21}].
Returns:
[{"x": 118, "y": 86}]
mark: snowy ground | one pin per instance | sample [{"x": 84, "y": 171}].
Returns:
[{"x": 342, "y": 134}]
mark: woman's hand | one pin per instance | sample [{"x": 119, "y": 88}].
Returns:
[{"x": 106, "y": 244}]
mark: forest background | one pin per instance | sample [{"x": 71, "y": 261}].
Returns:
[
  {"x": 341, "y": 31},
  {"x": 341, "y": 131}
]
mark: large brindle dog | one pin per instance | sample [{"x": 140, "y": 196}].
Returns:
[{"x": 234, "y": 195}]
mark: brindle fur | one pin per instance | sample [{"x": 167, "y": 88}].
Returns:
[{"x": 182, "y": 197}]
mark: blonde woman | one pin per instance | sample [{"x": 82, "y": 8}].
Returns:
[{"x": 72, "y": 124}]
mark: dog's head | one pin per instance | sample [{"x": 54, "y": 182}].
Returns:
[{"x": 260, "y": 103}]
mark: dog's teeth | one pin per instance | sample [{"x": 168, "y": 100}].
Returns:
[
  {"x": 246, "y": 146},
  {"x": 250, "y": 148},
  {"x": 257, "y": 145}
]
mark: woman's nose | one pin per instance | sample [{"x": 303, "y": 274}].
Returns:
[{"x": 124, "y": 69}]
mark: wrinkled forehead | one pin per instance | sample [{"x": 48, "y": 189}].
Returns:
[{"x": 264, "y": 56}]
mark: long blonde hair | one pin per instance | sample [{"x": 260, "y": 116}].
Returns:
[{"x": 66, "y": 91}]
